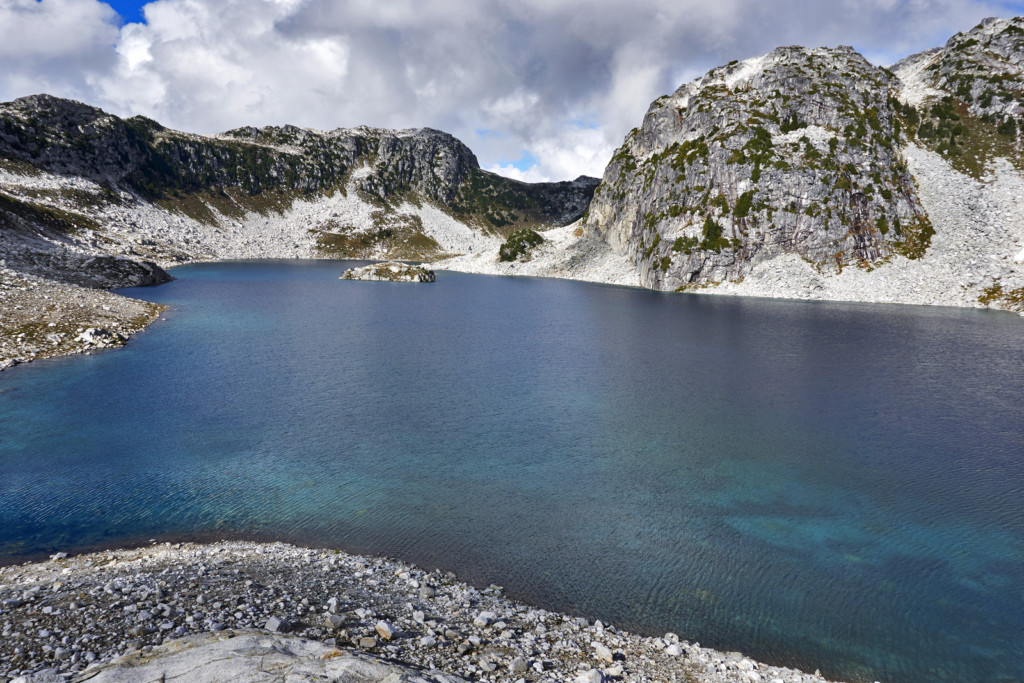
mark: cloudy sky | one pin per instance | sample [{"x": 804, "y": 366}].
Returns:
[{"x": 539, "y": 89}]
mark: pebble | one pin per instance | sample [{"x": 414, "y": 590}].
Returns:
[
  {"x": 483, "y": 619},
  {"x": 519, "y": 665},
  {"x": 603, "y": 653}
]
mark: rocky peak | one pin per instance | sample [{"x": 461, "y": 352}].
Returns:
[
  {"x": 423, "y": 160},
  {"x": 965, "y": 100},
  {"x": 982, "y": 67},
  {"x": 793, "y": 151},
  {"x": 52, "y": 110}
]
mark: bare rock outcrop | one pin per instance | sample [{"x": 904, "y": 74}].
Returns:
[{"x": 795, "y": 152}]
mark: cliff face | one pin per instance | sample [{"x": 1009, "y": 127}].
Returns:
[{"x": 797, "y": 151}]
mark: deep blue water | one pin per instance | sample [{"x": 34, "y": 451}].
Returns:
[{"x": 819, "y": 485}]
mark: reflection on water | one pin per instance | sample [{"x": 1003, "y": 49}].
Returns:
[{"x": 826, "y": 486}]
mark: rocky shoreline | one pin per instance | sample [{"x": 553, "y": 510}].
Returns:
[
  {"x": 42, "y": 318},
  {"x": 102, "y": 616}
]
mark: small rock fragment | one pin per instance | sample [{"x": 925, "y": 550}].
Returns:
[
  {"x": 385, "y": 630},
  {"x": 518, "y": 666},
  {"x": 276, "y": 625},
  {"x": 592, "y": 676},
  {"x": 602, "y": 652}
]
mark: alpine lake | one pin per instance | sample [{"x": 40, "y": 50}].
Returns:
[{"x": 819, "y": 485}]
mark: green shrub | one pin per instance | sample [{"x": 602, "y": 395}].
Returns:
[
  {"x": 518, "y": 244},
  {"x": 654, "y": 245},
  {"x": 685, "y": 244},
  {"x": 712, "y": 233},
  {"x": 743, "y": 204}
]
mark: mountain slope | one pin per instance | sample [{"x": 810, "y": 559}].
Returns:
[{"x": 965, "y": 100}]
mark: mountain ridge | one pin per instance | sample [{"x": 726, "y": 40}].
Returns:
[{"x": 804, "y": 173}]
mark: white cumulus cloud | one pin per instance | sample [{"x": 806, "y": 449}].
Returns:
[{"x": 559, "y": 80}]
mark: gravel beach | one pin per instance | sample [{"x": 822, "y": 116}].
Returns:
[{"x": 72, "y": 618}]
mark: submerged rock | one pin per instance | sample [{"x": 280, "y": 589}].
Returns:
[{"x": 390, "y": 271}]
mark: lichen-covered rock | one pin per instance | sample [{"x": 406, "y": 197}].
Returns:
[
  {"x": 237, "y": 656},
  {"x": 797, "y": 151}
]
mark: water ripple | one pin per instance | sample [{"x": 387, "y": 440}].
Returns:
[{"x": 819, "y": 485}]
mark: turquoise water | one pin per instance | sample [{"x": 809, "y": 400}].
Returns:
[{"x": 818, "y": 485}]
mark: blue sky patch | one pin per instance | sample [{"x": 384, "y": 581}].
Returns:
[
  {"x": 585, "y": 123},
  {"x": 130, "y": 10},
  {"x": 489, "y": 133},
  {"x": 525, "y": 162}
]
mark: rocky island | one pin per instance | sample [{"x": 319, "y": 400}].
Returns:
[{"x": 389, "y": 271}]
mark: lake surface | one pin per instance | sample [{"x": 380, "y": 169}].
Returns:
[{"x": 818, "y": 485}]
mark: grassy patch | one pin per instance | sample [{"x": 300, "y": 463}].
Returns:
[
  {"x": 22, "y": 168},
  {"x": 201, "y": 206},
  {"x": 394, "y": 236},
  {"x": 58, "y": 220},
  {"x": 970, "y": 143},
  {"x": 1008, "y": 300},
  {"x": 917, "y": 237}
]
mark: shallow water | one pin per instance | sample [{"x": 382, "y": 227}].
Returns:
[{"x": 828, "y": 486}]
